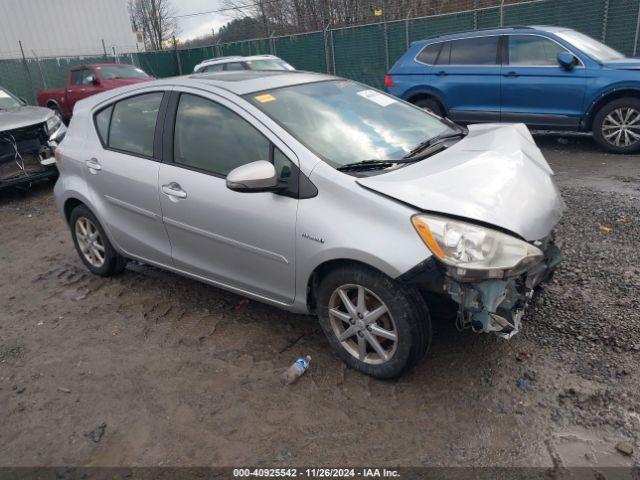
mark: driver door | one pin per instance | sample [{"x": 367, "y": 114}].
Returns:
[
  {"x": 536, "y": 90},
  {"x": 245, "y": 241}
]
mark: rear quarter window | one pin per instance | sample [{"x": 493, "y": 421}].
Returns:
[{"x": 429, "y": 54}]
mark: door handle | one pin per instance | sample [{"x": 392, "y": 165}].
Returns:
[
  {"x": 93, "y": 165},
  {"x": 510, "y": 74},
  {"x": 174, "y": 191},
  {"x": 441, "y": 73}
]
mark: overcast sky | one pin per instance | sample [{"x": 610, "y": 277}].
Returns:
[{"x": 197, "y": 26}]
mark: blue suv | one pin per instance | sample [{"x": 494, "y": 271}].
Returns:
[{"x": 547, "y": 77}]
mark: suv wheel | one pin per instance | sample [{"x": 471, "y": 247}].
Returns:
[
  {"x": 616, "y": 126},
  {"x": 92, "y": 244},
  {"x": 374, "y": 324},
  {"x": 430, "y": 105}
]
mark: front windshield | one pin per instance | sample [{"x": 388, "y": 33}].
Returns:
[
  {"x": 596, "y": 50},
  {"x": 345, "y": 122},
  {"x": 7, "y": 100},
  {"x": 111, "y": 72},
  {"x": 269, "y": 64}
]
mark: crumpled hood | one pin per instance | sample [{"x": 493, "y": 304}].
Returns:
[
  {"x": 496, "y": 175},
  {"x": 23, "y": 117},
  {"x": 624, "y": 64}
]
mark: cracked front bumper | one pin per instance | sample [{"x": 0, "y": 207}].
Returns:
[{"x": 498, "y": 305}]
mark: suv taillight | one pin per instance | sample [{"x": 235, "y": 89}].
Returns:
[{"x": 388, "y": 82}]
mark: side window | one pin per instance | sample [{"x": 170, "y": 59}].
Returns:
[
  {"x": 533, "y": 50},
  {"x": 445, "y": 53},
  {"x": 234, "y": 66},
  {"x": 429, "y": 54},
  {"x": 213, "y": 68},
  {"x": 133, "y": 123},
  {"x": 474, "y": 51},
  {"x": 76, "y": 77},
  {"x": 87, "y": 73},
  {"x": 102, "y": 123},
  {"x": 211, "y": 137},
  {"x": 284, "y": 166}
]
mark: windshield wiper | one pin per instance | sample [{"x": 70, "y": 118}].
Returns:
[
  {"x": 434, "y": 141},
  {"x": 367, "y": 165}
]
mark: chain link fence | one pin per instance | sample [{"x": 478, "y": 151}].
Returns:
[{"x": 363, "y": 51}]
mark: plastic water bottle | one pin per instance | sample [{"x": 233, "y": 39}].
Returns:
[{"x": 296, "y": 370}]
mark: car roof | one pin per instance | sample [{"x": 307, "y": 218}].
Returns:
[
  {"x": 490, "y": 31},
  {"x": 94, "y": 65},
  {"x": 235, "y": 58},
  {"x": 249, "y": 81}
]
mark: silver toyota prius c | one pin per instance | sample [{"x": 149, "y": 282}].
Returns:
[{"x": 318, "y": 195}]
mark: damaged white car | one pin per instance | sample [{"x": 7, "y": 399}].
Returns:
[
  {"x": 317, "y": 195},
  {"x": 28, "y": 138}
]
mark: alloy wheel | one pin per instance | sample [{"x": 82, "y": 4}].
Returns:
[
  {"x": 621, "y": 127},
  {"x": 90, "y": 242},
  {"x": 363, "y": 324}
]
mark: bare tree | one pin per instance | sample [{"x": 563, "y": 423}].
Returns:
[{"x": 156, "y": 19}]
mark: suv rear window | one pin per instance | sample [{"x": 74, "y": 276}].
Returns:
[
  {"x": 429, "y": 54},
  {"x": 474, "y": 51}
]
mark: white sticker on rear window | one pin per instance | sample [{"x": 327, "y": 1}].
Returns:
[
  {"x": 377, "y": 97},
  {"x": 3, "y": 94}
]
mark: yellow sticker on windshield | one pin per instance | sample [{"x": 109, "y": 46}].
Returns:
[{"x": 267, "y": 97}]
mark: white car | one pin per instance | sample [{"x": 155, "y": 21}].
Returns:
[{"x": 255, "y": 62}]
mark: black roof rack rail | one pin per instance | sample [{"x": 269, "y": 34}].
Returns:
[{"x": 508, "y": 27}]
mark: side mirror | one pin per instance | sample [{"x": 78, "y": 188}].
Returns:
[
  {"x": 567, "y": 60},
  {"x": 257, "y": 176},
  {"x": 93, "y": 79}
]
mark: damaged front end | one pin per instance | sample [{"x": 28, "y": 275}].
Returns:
[
  {"x": 491, "y": 275},
  {"x": 498, "y": 305},
  {"x": 27, "y": 152}
]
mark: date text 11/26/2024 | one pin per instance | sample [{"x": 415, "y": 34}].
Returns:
[{"x": 315, "y": 473}]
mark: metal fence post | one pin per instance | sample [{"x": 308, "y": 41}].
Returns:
[
  {"x": 26, "y": 67},
  {"x": 175, "y": 51},
  {"x": 475, "y": 14},
  {"x": 605, "y": 20},
  {"x": 333, "y": 52},
  {"x": 385, "y": 29},
  {"x": 502, "y": 13}
]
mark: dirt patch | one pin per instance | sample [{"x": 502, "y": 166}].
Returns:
[{"x": 149, "y": 368}]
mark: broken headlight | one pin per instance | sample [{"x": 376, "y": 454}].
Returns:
[
  {"x": 53, "y": 124},
  {"x": 472, "y": 251}
]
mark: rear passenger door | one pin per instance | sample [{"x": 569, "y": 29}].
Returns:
[
  {"x": 536, "y": 90},
  {"x": 122, "y": 166},
  {"x": 467, "y": 72}
]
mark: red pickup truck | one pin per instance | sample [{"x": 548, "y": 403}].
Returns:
[{"x": 86, "y": 80}]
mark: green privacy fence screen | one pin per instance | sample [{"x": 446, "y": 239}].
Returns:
[{"x": 363, "y": 52}]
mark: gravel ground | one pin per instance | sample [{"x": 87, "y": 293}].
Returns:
[{"x": 149, "y": 368}]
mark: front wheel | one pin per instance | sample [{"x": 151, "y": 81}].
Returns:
[
  {"x": 374, "y": 324},
  {"x": 616, "y": 126}
]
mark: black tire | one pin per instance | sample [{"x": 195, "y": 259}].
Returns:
[
  {"x": 623, "y": 105},
  {"x": 430, "y": 105},
  {"x": 408, "y": 312},
  {"x": 114, "y": 263}
]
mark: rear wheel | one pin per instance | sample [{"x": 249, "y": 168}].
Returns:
[
  {"x": 616, "y": 126},
  {"x": 373, "y": 324},
  {"x": 430, "y": 105},
  {"x": 92, "y": 244}
]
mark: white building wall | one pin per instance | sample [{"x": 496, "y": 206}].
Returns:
[{"x": 52, "y": 28}]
